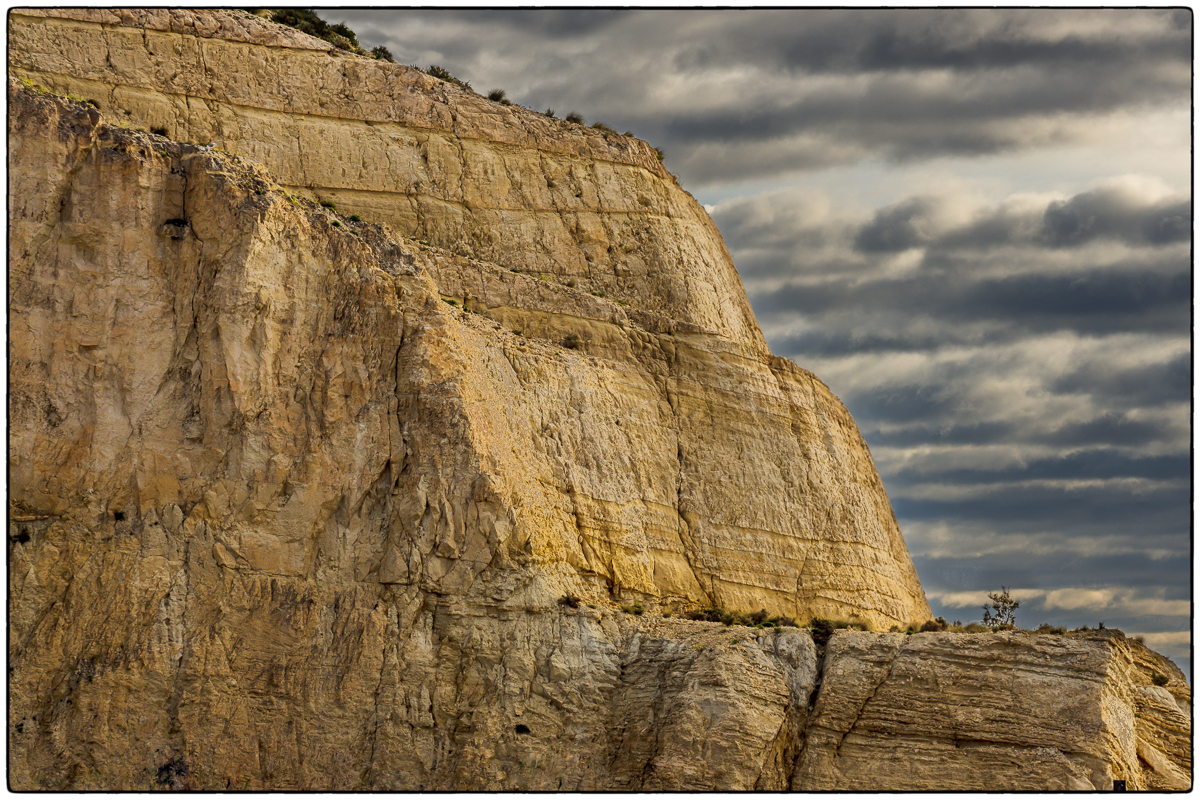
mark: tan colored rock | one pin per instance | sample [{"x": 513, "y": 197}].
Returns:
[
  {"x": 275, "y": 375},
  {"x": 433, "y": 160},
  {"x": 286, "y": 529},
  {"x": 992, "y": 712}
]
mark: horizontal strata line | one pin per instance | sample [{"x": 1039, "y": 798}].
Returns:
[
  {"x": 554, "y": 211},
  {"x": 361, "y": 121}
]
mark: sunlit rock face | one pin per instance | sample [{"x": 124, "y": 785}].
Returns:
[{"x": 299, "y": 501}]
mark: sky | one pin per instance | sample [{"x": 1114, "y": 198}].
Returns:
[{"x": 974, "y": 225}]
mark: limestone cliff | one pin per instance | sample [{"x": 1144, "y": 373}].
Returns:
[
  {"x": 668, "y": 458},
  {"x": 283, "y": 516}
]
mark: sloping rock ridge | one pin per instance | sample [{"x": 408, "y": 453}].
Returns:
[{"x": 301, "y": 502}]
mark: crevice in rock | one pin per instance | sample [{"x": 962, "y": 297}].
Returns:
[
  {"x": 875, "y": 690},
  {"x": 809, "y": 714}
]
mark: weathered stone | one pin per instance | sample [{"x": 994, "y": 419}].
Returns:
[
  {"x": 282, "y": 518},
  {"x": 993, "y": 712}
]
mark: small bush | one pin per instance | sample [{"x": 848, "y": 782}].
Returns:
[
  {"x": 355, "y": 218},
  {"x": 661, "y": 155},
  {"x": 571, "y": 341},
  {"x": 328, "y": 204},
  {"x": 600, "y": 126},
  {"x": 341, "y": 29},
  {"x": 304, "y": 20},
  {"x": 336, "y": 224},
  {"x": 975, "y": 627},
  {"x": 497, "y": 94},
  {"x": 443, "y": 74},
  {"x": 636, "y": 609},
  {"x": 1002, "y": 610},
  {"x": 573, "y": 117},
  {"x": 755, "y": 619},
  {"x": 381, "y": 53},
  {"x": 549, "y": 112},
  {"x": 451, "y": 302},
  {"x": 1047, "y": 628},
  {"x": 1160, "y": 679},
  {"x": 934, "y": 625}
]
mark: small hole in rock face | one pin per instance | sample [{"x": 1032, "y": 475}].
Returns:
[
  {"x": 119, "y": 516},
  {"x": 523, "y": 730}
]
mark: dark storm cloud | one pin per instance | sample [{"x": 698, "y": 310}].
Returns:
[
  {"x": 855, "y": 41},
  {"x": 1112, "y": 428},
  {"x": 1093, "y": 463},
  {"x": 1140, "y": 385},
  {"x": 1160, "y": 514},
  {"x": 1095, "y": 301},
  {"x": 1111, "y": 213},
  {"x": 570, "y": 23},
  {"x": 1062, "y": 568},
  {"x": 897, "y": 227}
]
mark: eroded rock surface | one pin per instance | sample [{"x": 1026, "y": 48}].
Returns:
[
  {"x": 432, "y": 160},
  {"x": 995, "y": 711},
  {"x": 282, "y": 517}
]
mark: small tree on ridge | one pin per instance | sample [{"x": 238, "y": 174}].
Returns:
[{"x": 1002, "y": 611}]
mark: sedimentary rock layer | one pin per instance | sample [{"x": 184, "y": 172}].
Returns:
[
  {"x": 995, "y": 711},
  {"x": 270, "y": 373},
  {"x": 431, "y": 159}
]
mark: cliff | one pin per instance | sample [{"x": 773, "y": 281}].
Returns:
[
  {"x": 667, "y": 457},
  {"x": 302, "y": 502}
]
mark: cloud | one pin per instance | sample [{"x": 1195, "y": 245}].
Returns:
[{"x": 1114, "y": 214}]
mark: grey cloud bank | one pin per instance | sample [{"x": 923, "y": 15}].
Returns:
[{"x": 975, "y": 225}]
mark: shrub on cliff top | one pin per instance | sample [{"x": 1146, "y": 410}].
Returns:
[
  {"x": 443, "y": 74},
  {"x": 305, "y": 21}
]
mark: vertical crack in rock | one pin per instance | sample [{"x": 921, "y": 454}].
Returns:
[
  {"x": 874, "y": 690},
  {"x": 821, "y": 651}
]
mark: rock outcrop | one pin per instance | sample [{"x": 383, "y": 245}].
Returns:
[
  {"x": 667, "y": 457},
  {"x": 297, "y": 502}
]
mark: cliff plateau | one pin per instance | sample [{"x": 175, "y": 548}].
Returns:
[{"x": 303, "y": 502}]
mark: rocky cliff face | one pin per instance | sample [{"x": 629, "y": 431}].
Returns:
[
  {"x": 282, "y": 515},
  {"x": 667, "y": 457}
]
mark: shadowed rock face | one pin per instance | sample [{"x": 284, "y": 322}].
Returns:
[{"x": 282, "y": 517}]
